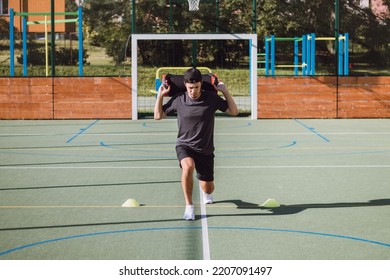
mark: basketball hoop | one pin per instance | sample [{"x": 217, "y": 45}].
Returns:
[{"x": 193, "y": 5}]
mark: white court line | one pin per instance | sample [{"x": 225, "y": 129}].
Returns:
[
  {"x": 216, "y": 133},
  {"x": 217, "y": 167},
  {"x": 205, "y": 227}
]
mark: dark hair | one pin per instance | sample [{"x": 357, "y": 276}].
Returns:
[{"x": 192, "y": 75}]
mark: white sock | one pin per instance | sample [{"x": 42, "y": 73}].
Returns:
[
  {"x": 189, "y": 213},
  {"x": 207, "y": 198}
]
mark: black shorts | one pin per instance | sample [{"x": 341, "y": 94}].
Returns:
[{"x": 204, "y": 164}]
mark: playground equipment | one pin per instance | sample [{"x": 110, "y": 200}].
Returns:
[
  {"x": 308, "y": 54},
  {"x": 46, "y": 22}
]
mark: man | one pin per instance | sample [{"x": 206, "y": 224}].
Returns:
[{"x": 195, "y": 111}]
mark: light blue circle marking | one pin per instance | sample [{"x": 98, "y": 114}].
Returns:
[{"x": 358, "y": 239}]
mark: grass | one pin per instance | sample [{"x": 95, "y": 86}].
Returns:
[
  {"x": 237, "y": 80},
  {"x": 99, "y": 64}
]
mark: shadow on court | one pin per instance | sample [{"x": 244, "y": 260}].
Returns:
[
  {"x": 297, "y": 208},
  {"x": 92, "y": 224},
  {"x": 282, "y": 210},
  {"x": 91, "y": 185}
]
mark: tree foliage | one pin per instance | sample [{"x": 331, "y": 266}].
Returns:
[
  {"x": 109, "y": 24},
  {"x": 4, "y": 26}
]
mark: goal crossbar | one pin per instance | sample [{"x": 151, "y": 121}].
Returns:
[{"x": 252, "y": 38}]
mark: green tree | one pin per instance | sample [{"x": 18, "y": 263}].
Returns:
[
  {"x": 109, "y": 25},
  {"x": 371, "y": 31},
  {"x": 4, "y": 26}
]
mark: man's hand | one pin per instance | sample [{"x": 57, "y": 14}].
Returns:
[
  {"x": 158, "y": 107},
  {"x": 232, "y": 107},
  {"x": 164, "y": 91},
  {"x": 221, "y": 87}
]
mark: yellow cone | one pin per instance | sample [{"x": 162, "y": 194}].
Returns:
[
  {"x": 131, "y": 203},
  {"x": 271, "y": 203}
]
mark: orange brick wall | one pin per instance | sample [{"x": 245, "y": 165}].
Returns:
[
  {"x": 65, "y": 98},
  {"x": 323, "y": 97},
  {"x": 97, "y": 98},
  {"x": 279, "y": 97},
  {"x": 296, "y": 97},
  {"x": 25, "y": 98},
  {"x": 364, "y": 97}
]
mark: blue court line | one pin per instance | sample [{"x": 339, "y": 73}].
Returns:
[
  {"x": 82, "y": 130},
  {"x": 310, "y": 233},
  {"x": 221, "y": 154},
  {"x": 81, "y": 156},
  {"x": 248, "y": 124},
  {"x": 103, "y": 144},
  {"x": 312, "y": 129},
  {"x": 358, "y": 239},
  {"x": 293, "y": 143}
]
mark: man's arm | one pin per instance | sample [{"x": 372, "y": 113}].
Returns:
[
  {"x": 158, "y": 106},
  {"x": 232, "y": 106}
]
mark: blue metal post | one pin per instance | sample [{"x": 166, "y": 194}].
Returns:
[
  {"x": 346, "y": 54},
  {"x": 80, "y": 15},
  {"x": 304, "y": 60},
  {"x": 273, "y": 55},
  {"x": 313, "y": 54},
  {"x": 266, "y": 43},
  {"x": 340, "y": 55},
  {"x": 296, "y": 51},
  {"x": 11, "y": 43},
  {"x": 308, "y": 54},
  {"x": 24, "y": 19}
]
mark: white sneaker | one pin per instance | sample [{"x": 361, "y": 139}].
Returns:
[
  {"x": 189, "y": 214},
  {"x": 207, "y": 198}
]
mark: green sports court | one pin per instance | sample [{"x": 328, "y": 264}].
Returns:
[
  {"x": 63, "y": 184},
  {"x": 90, "y": 184}
]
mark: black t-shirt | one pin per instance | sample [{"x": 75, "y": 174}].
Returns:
[{"x": 195, "y": 119}]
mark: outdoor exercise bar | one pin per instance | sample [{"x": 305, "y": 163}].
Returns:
[
  {"x": 24, "y": 16},
  {"x": 308, "y": 54}
]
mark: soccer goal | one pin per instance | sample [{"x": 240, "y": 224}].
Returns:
[{"x": 251, "y": 38}]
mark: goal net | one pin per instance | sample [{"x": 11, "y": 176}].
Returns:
[{"x": 249, "y": 41}]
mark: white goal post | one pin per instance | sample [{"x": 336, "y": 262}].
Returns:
[{"x": 252, "y": 38}]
